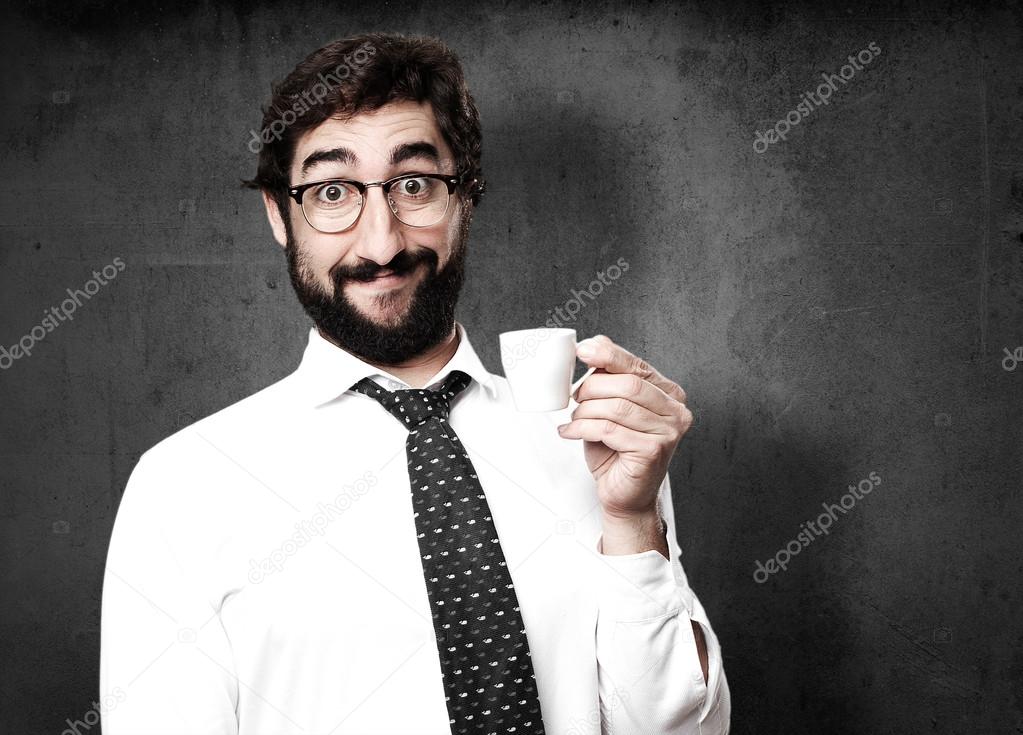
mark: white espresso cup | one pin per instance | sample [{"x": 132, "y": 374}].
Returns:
[{"x": 538, "y": 364}]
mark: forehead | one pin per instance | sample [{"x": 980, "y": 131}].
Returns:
[{"x": 368, "y": 141}]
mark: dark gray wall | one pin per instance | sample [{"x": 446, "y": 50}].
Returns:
[{"x": 836, "y": 306}]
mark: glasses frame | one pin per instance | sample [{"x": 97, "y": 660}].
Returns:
[{"x": 453, "y": 182}]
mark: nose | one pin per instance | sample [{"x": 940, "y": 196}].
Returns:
[{"x": 378, "y": 232}]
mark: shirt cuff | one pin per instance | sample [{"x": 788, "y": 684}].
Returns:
[{"x": 639, "y": 586}]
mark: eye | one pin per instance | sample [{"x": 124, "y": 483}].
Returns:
[
  {"x": 414, "y": 188},
  {"x": 331, "y": 194}
]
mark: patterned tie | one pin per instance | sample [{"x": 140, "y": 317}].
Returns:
[{"x": 488, "y": 676}]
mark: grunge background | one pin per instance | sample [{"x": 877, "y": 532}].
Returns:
[{"x": 846, "y": 302}]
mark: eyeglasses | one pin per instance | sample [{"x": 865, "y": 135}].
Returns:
[{"x": 335, "y": 205}]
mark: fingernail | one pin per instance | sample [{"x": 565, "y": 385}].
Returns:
[{"x": 585, "y": 349}]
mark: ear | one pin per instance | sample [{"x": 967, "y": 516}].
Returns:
[{"x": 273, "y": 214}]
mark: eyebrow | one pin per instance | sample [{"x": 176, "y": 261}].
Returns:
[{"x": 399, "y": 154}]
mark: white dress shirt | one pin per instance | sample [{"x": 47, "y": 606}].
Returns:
[{"x": 264, "y": 578}]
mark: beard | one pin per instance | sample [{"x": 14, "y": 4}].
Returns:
[{"x": 428, "y": 319}]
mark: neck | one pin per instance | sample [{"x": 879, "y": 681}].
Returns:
[{"x": 418, "y": 369}]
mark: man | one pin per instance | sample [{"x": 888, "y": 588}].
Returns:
[{"x": 380, "y": 542}]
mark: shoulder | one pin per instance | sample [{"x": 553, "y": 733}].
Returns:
[{"x": 248, "y": 424}]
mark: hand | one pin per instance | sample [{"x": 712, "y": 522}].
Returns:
[{"x": 631, "y": 418}]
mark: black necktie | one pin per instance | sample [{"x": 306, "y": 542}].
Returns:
[{"x": 488, "y": 676}]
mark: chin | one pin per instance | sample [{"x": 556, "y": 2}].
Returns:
[{"x": 388, "y": 306}]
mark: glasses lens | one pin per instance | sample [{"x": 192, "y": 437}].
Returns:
[
  {"x": 332, "y": 207},
  {"x": 419, "y": 201}
]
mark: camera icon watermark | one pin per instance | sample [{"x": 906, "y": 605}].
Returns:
[{"x": 564, "y": 527}]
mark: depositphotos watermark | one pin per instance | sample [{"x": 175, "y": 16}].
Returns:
[
  {"x": 306, "y": 530},
  {"x": 55, "y": 316},
  {"x": 824, "y": 91},
  {"x": 92, "y": 718},
  {"x": 780, "y": 561},
  {"x": 311, "y": 97},
  {"x": 592, "y": 720},
  {"x": 1012, "y": 359},
  {"x": 566, "y": 312}
]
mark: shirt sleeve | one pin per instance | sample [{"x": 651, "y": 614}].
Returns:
[
  {"x": 648, "y": 670},
  {"x": 165, "y": 659}
]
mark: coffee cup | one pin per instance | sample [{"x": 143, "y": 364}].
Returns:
[{"x": 538, "y": 364}]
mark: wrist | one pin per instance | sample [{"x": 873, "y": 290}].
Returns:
[{"x": 634, "y": 533}]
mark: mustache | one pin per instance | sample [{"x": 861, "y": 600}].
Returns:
[{"x": 403, "y": 262}]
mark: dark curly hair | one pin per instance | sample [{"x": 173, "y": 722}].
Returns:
[{"x": 364, "y": 73}]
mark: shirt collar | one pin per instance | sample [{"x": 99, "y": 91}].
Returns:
[{"x": 327, "y": 371}]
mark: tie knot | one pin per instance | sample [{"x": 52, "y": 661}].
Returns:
[{"x": 414, "y": 406}]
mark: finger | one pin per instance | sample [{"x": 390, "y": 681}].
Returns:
[
  {"x": 614, "y": 436},
  {"x": 600, "y": 351},
  {"x": 626, "y": 413},
  {"x": 631, "y": 387}
]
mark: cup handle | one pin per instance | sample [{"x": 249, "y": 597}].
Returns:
[{"x": 575, "y": 386}]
